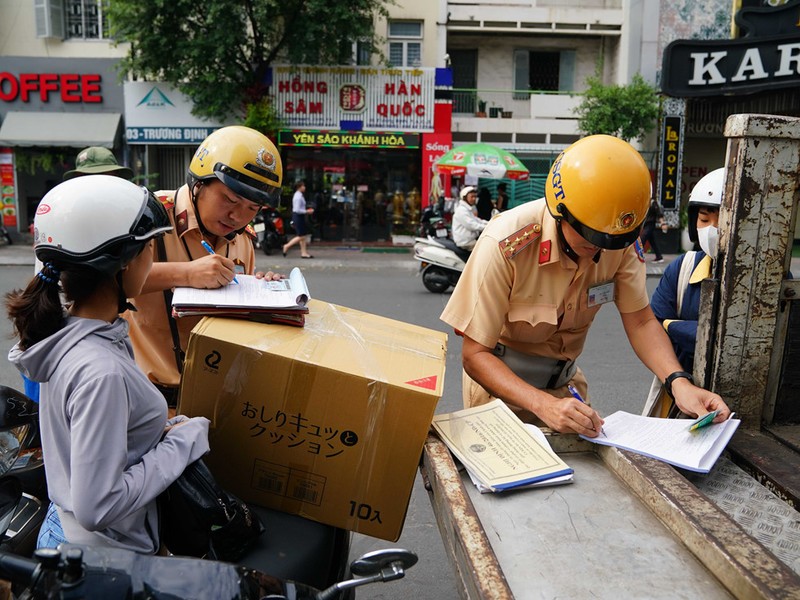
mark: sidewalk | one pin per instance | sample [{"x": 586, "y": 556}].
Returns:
[{"x": 336, "y": 255}]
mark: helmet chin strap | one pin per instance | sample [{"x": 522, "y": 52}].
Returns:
[
  {"x": 122, "y": 299},
  {"x": 562, "y": 241},
  {"x": 567, "y": 249}
]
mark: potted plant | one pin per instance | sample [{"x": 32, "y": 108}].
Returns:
[
  {"x": 495, "y": 111},
  {"x": 481, "y": 108},
  {"x": 507, "y": 114}
]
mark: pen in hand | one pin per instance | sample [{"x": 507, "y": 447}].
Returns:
[
  {"x": 210, "y": 250},
  {"x": 580, "y": 399}
]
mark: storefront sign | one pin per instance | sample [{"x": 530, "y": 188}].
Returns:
[
  {"x": 375, "y": 97},
  {"x": 156, "y": 113},
  {"x": 349, "y": 139},
  {"x": 766, "y": 59},
  {"x": 8, "y": 188},
  {"x": 669, "y": 168},
  {"x": 69, "y": 88},
  {"x": 434, "y": 184}
]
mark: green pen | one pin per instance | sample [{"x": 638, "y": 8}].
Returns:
[{"x": 703, "y": 421}]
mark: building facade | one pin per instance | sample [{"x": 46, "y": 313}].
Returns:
[{"x": 740, "y": 56}]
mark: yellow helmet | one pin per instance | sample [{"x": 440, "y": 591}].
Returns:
[
  {"x": 243, "y": 159},
  {"x": 601, "y": 186}
]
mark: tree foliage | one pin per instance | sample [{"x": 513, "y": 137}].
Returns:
[
  {"x": 626, "y": 111},
  {"x": 218, "y": 52}
]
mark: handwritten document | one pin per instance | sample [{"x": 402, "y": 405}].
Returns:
[
  {"x": 497, "y": 449},
  {"x": 249, "y": 293},
  {"x": 668, "y": 439}
]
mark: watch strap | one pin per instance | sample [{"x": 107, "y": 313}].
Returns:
[{"x": 672, "y": 377}]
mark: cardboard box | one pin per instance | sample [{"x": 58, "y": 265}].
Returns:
[{"x": 325, "y": 421}]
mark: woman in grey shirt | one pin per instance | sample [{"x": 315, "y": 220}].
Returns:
[{"x": 108, "y": 447}]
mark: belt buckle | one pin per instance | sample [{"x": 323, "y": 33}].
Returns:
[{"x": 499, "y": 349}]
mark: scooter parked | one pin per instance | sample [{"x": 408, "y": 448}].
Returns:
[
  {"x": 441, "y": 262},
  {"x": 89, "y": 573},
  {"x": 269, "y": 228}
]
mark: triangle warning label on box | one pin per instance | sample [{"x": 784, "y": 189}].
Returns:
[{"x": 429, "y": 383}]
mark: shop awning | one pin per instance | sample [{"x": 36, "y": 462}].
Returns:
[{"x": 77, "y": 130}]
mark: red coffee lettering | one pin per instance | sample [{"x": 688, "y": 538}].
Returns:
[
  {"x": 28, "y": 82},
  {"x": 91, "y": 89},
  {"x": 389, "y": 89},
  {"x": 9, "y": 87},
  {"x": 416, "y": 89},
  {"x": 48, "y": 82},
  {"x": 70, "y": 88}
]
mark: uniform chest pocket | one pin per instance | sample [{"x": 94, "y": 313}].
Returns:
[{"x": 531, "y": 323}]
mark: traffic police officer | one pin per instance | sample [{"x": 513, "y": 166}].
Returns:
[{"x": 539, "y": 274}]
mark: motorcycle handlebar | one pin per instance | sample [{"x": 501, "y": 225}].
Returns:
[{"x": 17, "y": 569}]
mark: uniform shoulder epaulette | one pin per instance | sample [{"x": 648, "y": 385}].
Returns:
[
  {"x": 519, "y": 240},
  {"x": 251, "y": 232},
  {"x": 168, "y": 200}
]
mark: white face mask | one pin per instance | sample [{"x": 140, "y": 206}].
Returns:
[{"x": 708, "y": 238}]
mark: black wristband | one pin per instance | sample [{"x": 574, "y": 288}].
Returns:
[{"x": 672, "y": 377}]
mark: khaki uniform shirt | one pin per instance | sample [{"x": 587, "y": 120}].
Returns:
[
  {"x": 149, "y": 328},
  {"x": 519, "y": 289}
]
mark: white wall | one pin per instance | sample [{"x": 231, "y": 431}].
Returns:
[{"x": 18, "y": 37}]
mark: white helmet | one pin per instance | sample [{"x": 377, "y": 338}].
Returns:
[
  {"x": 467, "y": 190},
  {"x": 96, "y": 221},
  {"x": 706, "y": 192}
]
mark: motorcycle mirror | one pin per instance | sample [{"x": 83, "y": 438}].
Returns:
[
  {"x": 380, "y": 565},
  {"x": 374, "y": 562}
]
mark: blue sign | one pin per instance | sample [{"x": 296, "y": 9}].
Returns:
[{"x": 167, "y": 135}]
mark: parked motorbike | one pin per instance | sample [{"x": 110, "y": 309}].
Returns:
[
  {"x": 23, "y": 488},
  {"x": 89, "y": 573},
  {"x": 5, "y": 235},
  {"x": 441, "y": 262},
  {"x": 269, "y": 228},
  {"x": 432, "y": 222}
]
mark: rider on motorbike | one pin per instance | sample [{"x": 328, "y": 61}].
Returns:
[{"x": 467, "y": 226}]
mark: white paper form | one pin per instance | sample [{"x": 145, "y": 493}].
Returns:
[
  {"x": 249, "y": 293},
  {"x": 668, "y": 439}
]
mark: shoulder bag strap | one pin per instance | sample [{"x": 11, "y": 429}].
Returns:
[
  {"x": 173, "y": 325},
  {"x": 687, "y": 266}
]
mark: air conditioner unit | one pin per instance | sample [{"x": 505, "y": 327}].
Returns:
[{"x": 49, "y": 19}]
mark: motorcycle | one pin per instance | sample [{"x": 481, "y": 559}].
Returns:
[
  {"x": 441, "y": 262},
  {"x": 294, "y": 548},
  {"x": 22, "y": 482},
  {"x": 269, "y": 229},
  {"x": 432, "y": 222},
  {"x": 87, "y": 572}
]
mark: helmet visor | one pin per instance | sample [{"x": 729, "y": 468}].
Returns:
[
  {"x": 249, "y": 187},
  {"x": 601, "y": 239},
  {"x": 152, "y": 221}
]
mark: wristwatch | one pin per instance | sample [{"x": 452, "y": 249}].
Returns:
[{"x": 672, "y": 377}]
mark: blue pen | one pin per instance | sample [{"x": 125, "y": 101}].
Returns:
[
  {"x": 210, "y": 250},
  {"x": 580, "y": 399}
]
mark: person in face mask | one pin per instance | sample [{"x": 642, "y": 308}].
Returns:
[{"x": 676, "y": 300}]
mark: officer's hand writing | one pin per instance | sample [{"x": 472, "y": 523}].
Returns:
[
  {"x": 211, "y": 271},
  {"x": 568, "y": 415},
  {"x": 695, "y": 401}
]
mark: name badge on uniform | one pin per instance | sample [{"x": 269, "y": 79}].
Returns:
[{"x": 601, "y": 293}]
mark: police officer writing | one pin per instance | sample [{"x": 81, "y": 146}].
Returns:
[
  {"x": 234, "y": 172},
  {"x": 536, "y": 279}
]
